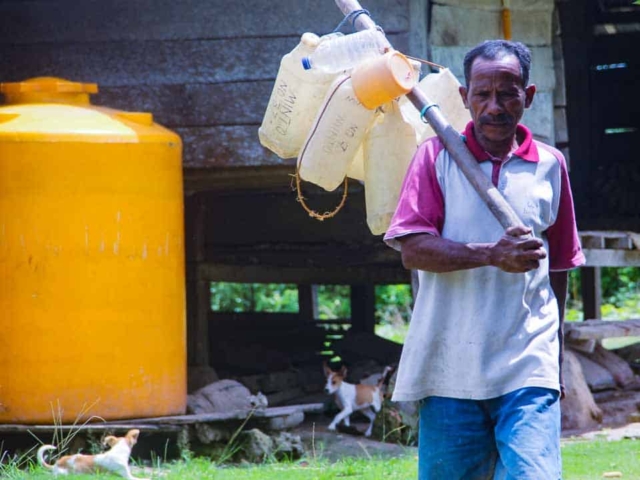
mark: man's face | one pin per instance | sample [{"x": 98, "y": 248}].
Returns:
[{"x": 496, "y": 98}]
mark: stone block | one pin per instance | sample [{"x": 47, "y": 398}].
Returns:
[
  {"x": 560, "y": 92},
  {"x": 457, "y": 26},
  {"x": 539, "y": 118}
]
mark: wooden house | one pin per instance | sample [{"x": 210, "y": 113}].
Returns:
[{"x": 205, "y": 69}]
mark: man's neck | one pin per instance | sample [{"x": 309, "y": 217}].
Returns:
[{"x": 499, "y": 149}]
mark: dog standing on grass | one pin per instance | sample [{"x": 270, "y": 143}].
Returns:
[
  {"x": 351, "y": 397},
  {"x": 115, "y": 460}
]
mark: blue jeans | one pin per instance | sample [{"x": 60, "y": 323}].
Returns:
[{"x": 514, "y": 436}]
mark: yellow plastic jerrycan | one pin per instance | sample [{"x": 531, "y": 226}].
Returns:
[{"x": 92, "y": 297}]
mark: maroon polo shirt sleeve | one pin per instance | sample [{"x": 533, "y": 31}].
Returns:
[{"x": 565, "y": 251}]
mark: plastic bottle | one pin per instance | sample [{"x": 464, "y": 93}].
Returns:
[
  {"x": 295, "y": 99},
  {"x": 335, "y": 137},
  {"x": 343, "y": 53},
  {"x": 388, "y": 150}
]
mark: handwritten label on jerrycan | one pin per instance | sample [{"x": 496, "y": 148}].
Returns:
[
  {"x": 335, "y": 137},
  {"x": 295, "y": 99}
]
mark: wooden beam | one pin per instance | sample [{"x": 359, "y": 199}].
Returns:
[
  {"x": 612, "y": 258},
  {"x": 599, "y": 329},
  {"x": 236, "y": 179},
  {"x": 315, "y": 275}
]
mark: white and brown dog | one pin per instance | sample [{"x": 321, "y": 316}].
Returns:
[
  {"x": 115, "y": 460},
  {"x": 351, "y": 397}
]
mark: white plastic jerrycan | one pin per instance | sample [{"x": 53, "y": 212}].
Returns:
[
  {"x": 296, "y": 96},
  {"x": 388, "y": 150},
  {"x": 335, "y": 137},
  {"x": 440, "y": 88}
]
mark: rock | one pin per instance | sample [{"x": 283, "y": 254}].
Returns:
[
  {"x": 579, "y": 409},
  {"x": 257, "y": 446},
  {"x": 289, "y": 446},
  {"x": 619, "y": 368},
  {"x": 598, "y": 378},
  {"x": 284, "y": 422},
  {"x": 224, "y": 396},
  {"x": 208, "y": 433},
  {"x": 390, "y": 426},
  {"x": 409, "y": 411}
]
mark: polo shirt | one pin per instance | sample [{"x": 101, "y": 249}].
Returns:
[{"x": 481, "y": 333}]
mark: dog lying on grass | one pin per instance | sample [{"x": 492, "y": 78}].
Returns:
[{"x": 115, "y": 460}]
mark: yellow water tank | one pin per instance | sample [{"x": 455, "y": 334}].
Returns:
[{"x": 92, "y": 292}]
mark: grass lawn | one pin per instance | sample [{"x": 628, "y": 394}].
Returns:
[{"x": 582, "y": 460}]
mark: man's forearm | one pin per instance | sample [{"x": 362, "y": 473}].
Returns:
[
  {"x": 515, "y": 252},
  {"x": 439, "y": 255}
]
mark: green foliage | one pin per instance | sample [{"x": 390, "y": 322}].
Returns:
[
  {"x": 334, "y": 302},
  {"x": 618, "y": 284},
  {"x": 254, "y": 297},
  {"x": 393, "y": 304}
]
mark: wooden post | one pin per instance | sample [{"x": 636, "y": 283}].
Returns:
[
  {"x": 307, "y": 302},
  {"x": 363, "y": 308},
  {"x": 199, "y": 296},
  {"x": 590, "y": 285},
  {"x": 449, "y": 136}
]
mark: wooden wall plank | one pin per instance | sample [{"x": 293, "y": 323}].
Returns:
[
  {"x": 154, "y": 63},
  {"x": 29, "y": 22},
  {"x": 193, "y": 105},
  {"x": 234, "y": 146},
  {"x": 249, "y": 220}
]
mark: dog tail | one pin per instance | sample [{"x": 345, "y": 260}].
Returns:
[
  {"x": 386, "y": 374},
  {"x": 40, "y": 456}
]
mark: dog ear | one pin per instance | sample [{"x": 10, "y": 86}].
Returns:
[
  {"x": 343, "y": 371},
  {"x": 109, "y": 441},
  {"x": 132, "y": 436},
  {"x": 326, "y": 369}
]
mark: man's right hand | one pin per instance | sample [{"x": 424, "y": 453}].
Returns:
[{"x": 517, "y": 253}]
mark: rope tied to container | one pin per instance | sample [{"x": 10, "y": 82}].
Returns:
[
  {"x": 298, "y": 179},
  {"x": 352, "y": 16}
]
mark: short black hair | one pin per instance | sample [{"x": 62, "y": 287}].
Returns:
[{"x": 496, "y": 49}]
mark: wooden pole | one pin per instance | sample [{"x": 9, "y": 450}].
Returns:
[{"x": 450, "y": 138}]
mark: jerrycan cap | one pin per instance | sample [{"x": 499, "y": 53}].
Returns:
[{"x": 49, "y": 85}]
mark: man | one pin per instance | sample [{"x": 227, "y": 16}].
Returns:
[{"x": 483, "y": 349}]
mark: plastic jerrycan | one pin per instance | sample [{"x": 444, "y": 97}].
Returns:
[
  {"x": 441, "y": 88},
  {"x": 388, "y": 149},
  {"x": 335, "y": 137},
  {"x": 379, "y": 82},
  {"x": 296, "y": 96},
  {"x": 92, "y": 296}
]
